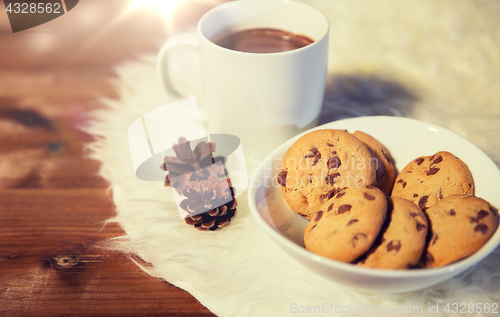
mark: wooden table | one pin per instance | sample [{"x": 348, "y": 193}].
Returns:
[{"x": 52, "y": 203}]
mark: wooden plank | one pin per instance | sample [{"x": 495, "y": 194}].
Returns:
[
  {"x": 52, "y": 202},
  {"x": 51, "y": 263}
]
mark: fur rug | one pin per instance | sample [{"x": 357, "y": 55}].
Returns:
[{"x": 436, "y": 61}]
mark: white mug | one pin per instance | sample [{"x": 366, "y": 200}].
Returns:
[{"x": 262, "y": 98}]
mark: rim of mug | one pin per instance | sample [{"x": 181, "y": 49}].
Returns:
[{"x": 242, "y": 2}]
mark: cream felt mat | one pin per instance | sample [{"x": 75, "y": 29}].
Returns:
[{"x": 434, "y": 61}]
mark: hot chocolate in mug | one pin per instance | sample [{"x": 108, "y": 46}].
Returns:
[{"x": 263, "y": 70}]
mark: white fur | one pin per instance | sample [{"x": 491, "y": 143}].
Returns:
[{"x": 442, "y": 57}]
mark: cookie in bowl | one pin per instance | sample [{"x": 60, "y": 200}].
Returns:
[
  {"x": 461, "y": 225},
  {"x": 347, "y": 224},
  {"x": 402, "y": 239},
  {"x": 319, "y": 164},
  {"x": 427, "y": 179}
]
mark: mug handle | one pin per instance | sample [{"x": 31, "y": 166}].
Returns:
[{"x": 190, "y": 40}]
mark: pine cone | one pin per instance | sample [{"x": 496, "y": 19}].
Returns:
[
  {"x": 190, "y": 165},
  {"x": 209, "y": 195}
]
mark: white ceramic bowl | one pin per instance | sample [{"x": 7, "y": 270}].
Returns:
[{"x": 406, "y": 139}]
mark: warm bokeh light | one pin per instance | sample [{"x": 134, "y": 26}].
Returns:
[{"x": 165, "y": 7}]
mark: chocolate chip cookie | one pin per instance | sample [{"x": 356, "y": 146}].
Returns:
[
  {"x": 319, "y": 164},
  {"x": 347, "y": 224},
  {"x": 402, "y": 238},
  {"x": 428, "y": 179},
  {"x": 385, "y": 172},
  {"x": 460, "y": 225}
]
